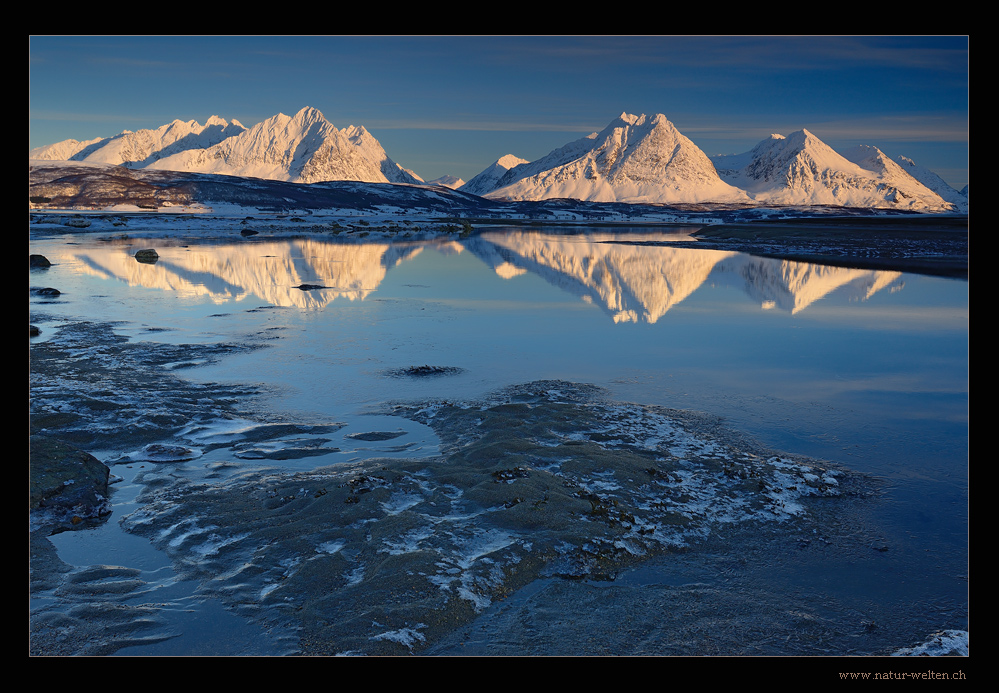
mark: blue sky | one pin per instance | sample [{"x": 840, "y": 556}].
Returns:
[{"x": 454, "y": 104}]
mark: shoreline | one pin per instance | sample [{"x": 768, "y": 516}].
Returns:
[{"x": 936, "y": 246}]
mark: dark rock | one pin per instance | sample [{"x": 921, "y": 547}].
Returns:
[
  {"x": 45, "y": 291},
  {"x": 160, "y": 452},
  {"x": 309, "y": 287},
  {"x": 65, "y": 483},
  {"x": 36, "y": 261},
  {"x": 149, "y": 256},
  {"x": 33, "y": 331},
  {"x": 248, "y": 232},
  {"x": 375, "y": 436},
  {"x": 422, "y": 371}
]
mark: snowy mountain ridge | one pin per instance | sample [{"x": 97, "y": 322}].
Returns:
[
  {"x": 303, "y": 148},
  {"x": 447, "y": 181},
  {"x": 489, "y": 179},
  {"x": 636, "y": 159},
  {"x": 800, "y": 169},
  {"x": 144, "y": 147},
  {"x": 935, "y": 183}
]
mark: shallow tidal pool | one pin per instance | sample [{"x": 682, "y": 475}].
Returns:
[{"x": 521, "y": 442}]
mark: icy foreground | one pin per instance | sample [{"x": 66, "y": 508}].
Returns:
[
  {"x": 635, "y": 159},
  {"x": 544, "y": 479}
]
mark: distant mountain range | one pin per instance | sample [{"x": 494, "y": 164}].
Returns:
[{"x": 635, "y": 159}]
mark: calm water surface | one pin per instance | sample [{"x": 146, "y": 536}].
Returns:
[{"x": 864, "y": 368}]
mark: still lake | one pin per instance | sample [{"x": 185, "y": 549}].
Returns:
[{"x": 866, "y": 369}]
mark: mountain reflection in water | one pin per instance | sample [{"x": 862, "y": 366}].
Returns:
[{"x": 632, "y": 282}]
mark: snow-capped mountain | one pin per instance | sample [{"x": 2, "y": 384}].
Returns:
[
  {"x": 801, "y": 169},
  {"x": 934, "y": 182},
  {"x": 63, "y": 151},
  {"x": 452, "y": 182},
  {"x": 634, "y": 159},
  {"x": 908, "y": 188},
  {"x": 144, "y": 147},
  {"x": 489, "y": 179},
  {"x": 303, "y": 148}
]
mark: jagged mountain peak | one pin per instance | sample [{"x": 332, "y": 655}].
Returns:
[
  {"x": 304, "y": 147},
  {"x": 934, "y": 182},
  {"x": 782, "y": 159},
  {"x": 801, "y": 169},
  {"x": 635, "y": 158},
  {"x": 309, "y": 116},
  {"x": 142, "y": 148},
  {"x": 356, "y": 131},
  {"x": 641, "y": 119},
  {"x": 489, "y": 179},
  {"x": 304, "y": 121},
  {"x": 638, "y": 124},
  {"x": 447, "y": 181},
  {"x": 508, "y": 161},
  {"x": 871, "y": 158},
  {"x": 797, "y": 140},
  {"x": 626, "y": 120},
  {"x": 310, "y": 112}
]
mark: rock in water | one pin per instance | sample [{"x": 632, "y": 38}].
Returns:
[
  {"x": 64, "y": 482},
  {"x": 44, "y": 291},
  {"x": 148, "y": 255}
]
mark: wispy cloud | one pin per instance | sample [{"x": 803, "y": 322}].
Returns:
[
  {"x": 922, "y": 128},
  {"x": 918, "y": 128},
  {"x": 75, "y": 117},
  {"x": 485, "y": 124}
]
